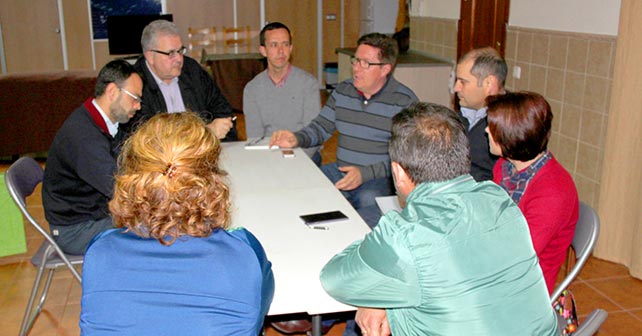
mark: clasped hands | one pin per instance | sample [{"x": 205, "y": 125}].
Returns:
[{"x": 350, "y": 181}]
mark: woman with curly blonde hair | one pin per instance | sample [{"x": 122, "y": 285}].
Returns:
[{"x": 171, "y": 266}]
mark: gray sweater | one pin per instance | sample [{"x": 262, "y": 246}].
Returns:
[
  {"x": 268, "y": 108},
  {"x": 363, "y": 125}
]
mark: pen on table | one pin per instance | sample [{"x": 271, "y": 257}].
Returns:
[
  {"x": 316, "y": 227},
  {"x": 255, "y": 141}
]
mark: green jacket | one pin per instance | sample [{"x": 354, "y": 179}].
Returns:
[{"x": 457, "y": 261}]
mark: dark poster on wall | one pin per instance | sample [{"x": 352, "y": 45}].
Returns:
[{"x": 101, "y": 9}]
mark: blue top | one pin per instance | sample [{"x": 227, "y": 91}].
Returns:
[{"x": 219, "y": 285}]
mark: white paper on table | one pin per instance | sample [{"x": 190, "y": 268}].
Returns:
[
  {"x": 259, "y": 143},
  {"x": 388, "y": 203}
]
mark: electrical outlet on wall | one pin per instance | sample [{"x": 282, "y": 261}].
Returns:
[
  {"x": 517, "y": 72},
  {"x": 416, "y": 7}
]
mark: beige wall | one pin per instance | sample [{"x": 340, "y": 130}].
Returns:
[
  {"x": 219, "y": 13},
  {"x": 186, "y": 13},
  {"x": 580, "y": 16},
  {"x": 200, "y": 13},
  {"x": 436, "y": 36},
  {"x": 621, "y": 179},
  {"x": 575, "y": 73}
]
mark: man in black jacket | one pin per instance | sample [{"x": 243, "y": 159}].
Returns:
[
  {"x": 480, "y": 73},
  {"x": 173, "y": 82},
  {"x": 78, "y": 181}
]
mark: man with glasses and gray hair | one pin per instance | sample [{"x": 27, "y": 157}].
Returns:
[
  {"x": 361, "y": 110},
  {"x": 78, "y": 180},
  {"x": 175, "y": 83}
]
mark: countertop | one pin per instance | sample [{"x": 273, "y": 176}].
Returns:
[
  {"x": 411, "y": 58},
  {"x": 229, "y": 56}
]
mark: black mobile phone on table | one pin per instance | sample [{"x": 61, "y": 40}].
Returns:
[{"x": 323, "y": 217}]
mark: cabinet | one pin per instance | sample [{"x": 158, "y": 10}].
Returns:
[{"x": 31, "y": 36}]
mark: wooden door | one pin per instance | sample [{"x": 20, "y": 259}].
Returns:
[
  {"x": 332, "y": 27},
  {"x": 482, "y": 24},
  {"x": 351, "y": 22},
  {"x": 31, "y": 35},
  {"x": 331, "y": 30},
  {"x": 301, "y": 17}
]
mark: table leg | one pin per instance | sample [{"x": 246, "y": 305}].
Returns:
[{"x": 316, "y": 325}]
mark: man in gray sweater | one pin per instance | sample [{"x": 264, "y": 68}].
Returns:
[{"x": 283, "y": 96}]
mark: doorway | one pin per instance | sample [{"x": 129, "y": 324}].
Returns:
[
  {"x": 482, "y": 24},
  {"x": 31, "y": 35}
]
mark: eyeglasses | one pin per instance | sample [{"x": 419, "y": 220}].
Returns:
[
  {"x": 363, "y": 63},
  {"x": 134, "y": 97},
  {"x": 172, "y": 53}
]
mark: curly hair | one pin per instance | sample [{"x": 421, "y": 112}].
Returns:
[{"x": 168, "y": 182}]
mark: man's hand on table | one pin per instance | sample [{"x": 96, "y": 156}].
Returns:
[
  {"x": 221, "y": 126},
  {"x": 283, "y": 139},
  {"x": 372, "y": 321}
]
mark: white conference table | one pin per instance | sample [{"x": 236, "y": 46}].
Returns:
[{"x": 268, "y": 193}]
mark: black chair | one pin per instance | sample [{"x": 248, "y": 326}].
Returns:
[{"x": 21, "y": 179}]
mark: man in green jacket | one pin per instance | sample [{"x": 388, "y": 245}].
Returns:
[{"x": 457, "y": 260}]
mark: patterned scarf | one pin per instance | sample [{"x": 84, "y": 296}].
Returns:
[{"x": 515, "y": 182}]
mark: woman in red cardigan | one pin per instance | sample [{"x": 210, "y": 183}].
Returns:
[{"x": 519, "y": 126}]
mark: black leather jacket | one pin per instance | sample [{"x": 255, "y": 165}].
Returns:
[{"x": 198, "y": 89}]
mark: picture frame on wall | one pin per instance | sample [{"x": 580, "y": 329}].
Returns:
[{"x": 101, "y": 9}]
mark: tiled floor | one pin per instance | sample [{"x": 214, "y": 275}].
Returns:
[{"x": 601, "y": 284}]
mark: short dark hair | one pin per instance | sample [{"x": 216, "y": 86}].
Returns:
[
  {"x": 388, "y": 48},
  {"x": 520, "y": 123},
  {"x": 116, "y": 71},
  {"x": 429, "y": 141},
  {"x": 487, "y": 61},
  {"x": 273, "y": 26}
]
